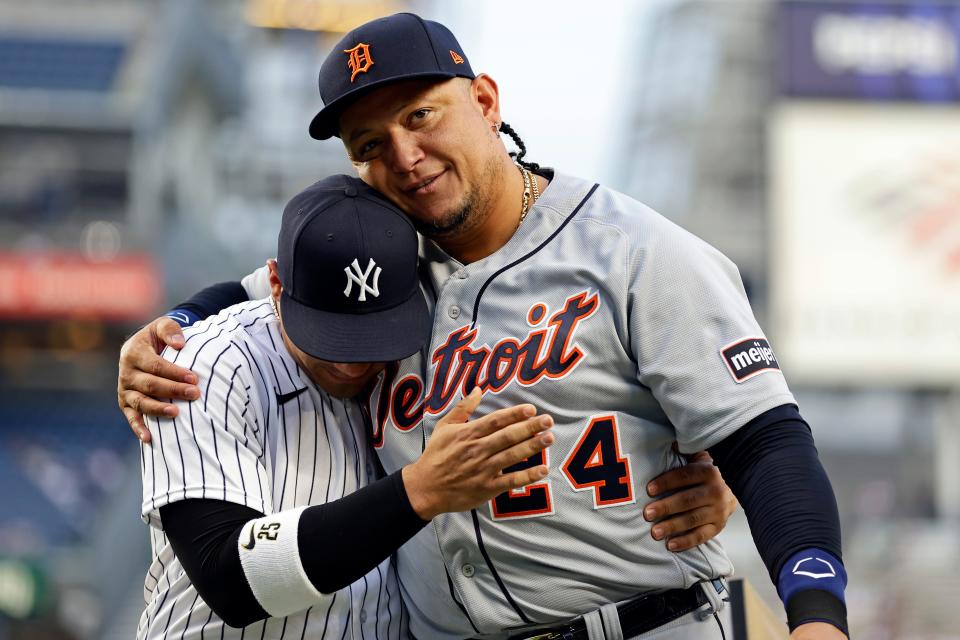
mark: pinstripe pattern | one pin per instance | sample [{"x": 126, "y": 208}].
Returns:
[{"x": 237, "y": 444}]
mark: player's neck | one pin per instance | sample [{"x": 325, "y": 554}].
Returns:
[{"x": 497, "y": 224}]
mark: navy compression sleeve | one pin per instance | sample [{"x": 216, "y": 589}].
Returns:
[
  {"x": 772, "y": 466},
  {"x": 208, "y": 302},
  {"x": 341, "y": 541}
]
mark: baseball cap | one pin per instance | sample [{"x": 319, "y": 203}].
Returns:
[
  {"x": 347, "y": 259},
  {"x": 398, "y": 47}
]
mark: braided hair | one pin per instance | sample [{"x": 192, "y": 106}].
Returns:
[{"x": 518, "y": 156}]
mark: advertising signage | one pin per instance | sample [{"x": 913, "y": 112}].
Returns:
[
  {"x": 42, "y": 285},
  {"x": 881, "y": 51}
]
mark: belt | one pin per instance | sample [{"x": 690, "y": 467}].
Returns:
[{"x": 637, "y": 616}]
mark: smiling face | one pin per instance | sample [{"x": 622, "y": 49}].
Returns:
[{"x": 431, "y": 148}]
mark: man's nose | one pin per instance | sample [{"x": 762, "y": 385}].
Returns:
[{"x": 404, "y": 151}]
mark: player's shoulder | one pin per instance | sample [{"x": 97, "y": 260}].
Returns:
[
  {"x": 607, "y": 211},
  {"x": 233, "y": 327},
  {"x": 655, "y": 244}
]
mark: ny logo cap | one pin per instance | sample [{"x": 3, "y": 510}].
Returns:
[
  {"x": 399, "y": 47},
  {"x": 347, "y": 259}
]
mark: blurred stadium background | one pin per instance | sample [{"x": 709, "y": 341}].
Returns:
[{"x": 147, "y": 148}]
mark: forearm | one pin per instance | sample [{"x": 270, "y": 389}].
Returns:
[
  {"x": 208, "y": 302},
  {"x": 773, "y": 468},
  {"x": 369, "y": 524},
  {"x": 336, "y": 544}
]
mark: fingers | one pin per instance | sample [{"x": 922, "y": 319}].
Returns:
[
  {"x": 462, "y": 411},
  {"x": 160, "y": 367},
  {"x": 145, "y": 405},
  {"x": 141, "y": 353},
  {"x": 691, "y": 539},
  {"x": 144, "y": 375},
  {"x": 135, "y": 420},
  {"x": 167, "y": 331},
  {"x": 694, "y": 514},
  {"x": 493, "y": 422},
  {"x": 522, "y": 478},
  {"x": 519, "y": 441},
  {"x": 692, "y": 473},
  {"x": 685, "y": 521},
  {"x": 142, "y": 370},
  {"x": 160, "y": 387},
  {"x": 523, "y": 450},
  {"x": 683, "y": 501}
]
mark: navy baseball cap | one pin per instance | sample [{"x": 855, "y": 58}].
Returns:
[
  {"x": 398, "y": 47},
  {"x": 347, "y": 259}
]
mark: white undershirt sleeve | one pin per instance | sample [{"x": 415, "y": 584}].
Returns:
[{"x": 257, "y": 284}]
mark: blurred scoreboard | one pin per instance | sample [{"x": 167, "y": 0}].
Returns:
[{"x": 865, "y": 194}]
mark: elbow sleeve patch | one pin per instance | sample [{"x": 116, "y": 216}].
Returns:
[{"x": 270, "y": 556}]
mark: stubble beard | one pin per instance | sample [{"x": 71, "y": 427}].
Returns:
[{"x": 470, "y": 212}]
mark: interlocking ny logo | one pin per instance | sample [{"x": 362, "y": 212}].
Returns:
[
  {"x": 359, "y": 59},
  {"x": 360, "y": 277}
]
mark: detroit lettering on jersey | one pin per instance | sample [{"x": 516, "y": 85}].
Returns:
[
  {"x": 749, "y": 357},
  {"x": 460, "y": 365}
]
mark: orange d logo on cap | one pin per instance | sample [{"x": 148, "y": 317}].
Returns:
[
  {"x": 407, "y": 46},
  {"x": 359, "y": 59}
]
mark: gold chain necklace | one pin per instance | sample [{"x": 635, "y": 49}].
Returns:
[{"x": 531, "y": 193}]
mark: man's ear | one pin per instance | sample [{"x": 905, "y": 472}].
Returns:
[
  {"x": 275, "y": 286},
  {"x": 486, "y": 94}
]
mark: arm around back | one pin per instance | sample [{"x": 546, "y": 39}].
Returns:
[{"x": 144, "y": 377}]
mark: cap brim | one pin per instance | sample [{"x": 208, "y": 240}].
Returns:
[
  {"x": 383, "y": 336},
  {"x": 326, "y": 124}
]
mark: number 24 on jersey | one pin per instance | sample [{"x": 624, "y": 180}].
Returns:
[{"x": 595, "y": 464}]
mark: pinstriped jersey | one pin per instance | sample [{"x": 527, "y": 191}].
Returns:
[
  {"x": 632, "y": 334},
  {"x": 265, "y": 436}
]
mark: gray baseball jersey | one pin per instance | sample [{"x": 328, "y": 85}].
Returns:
[
  {"x": 265, "y": 436},
  {"x": 631, "y": 333}
]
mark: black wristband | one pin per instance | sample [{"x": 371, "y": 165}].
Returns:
[{"x": 814, "y": 605}]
